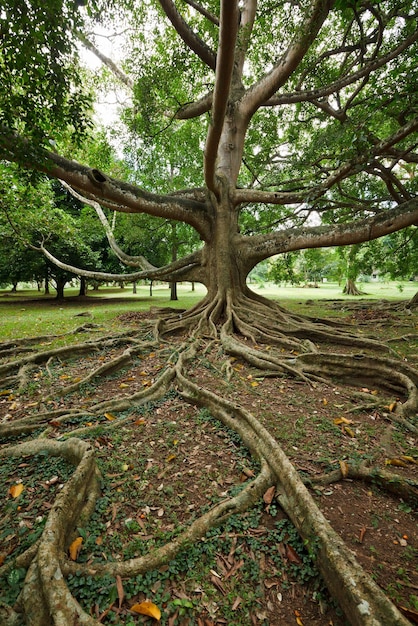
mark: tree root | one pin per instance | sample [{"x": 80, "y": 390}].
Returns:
[
  {"x": 359, "y": 596},
  {"x": 294, "y": 353}
]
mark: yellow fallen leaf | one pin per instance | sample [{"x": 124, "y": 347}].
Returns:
[
  {"x": 123, "y": 386},
  {"x": 350, "y": 432},
  {"x": 342, "y": 420},
  {"x": 324, "y": 401},
  {"x": 392, "y": 406},
  {"x": 5, "y": 392},
  {"x": 16, "y": 490},
  {"x": 396, "y": 462},
  {"x": 409, "y": 459},
  {"x": 171, "y": 457},
  {"x": 254, "y": 383},
  {"x": 344, "y": 468},
  {"x": 109, "y": 416},
  {"x": 75, "y": 547},
  {"x": 147, "y": 608},
  {"x": 139, "y": 422}
]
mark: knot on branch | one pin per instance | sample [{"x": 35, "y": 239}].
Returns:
[{"x": 97, "y": 177}]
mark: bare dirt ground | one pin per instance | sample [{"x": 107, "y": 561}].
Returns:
[{"x": 163, "y": 462}]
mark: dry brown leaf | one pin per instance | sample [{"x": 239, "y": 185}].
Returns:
[
  {"x": 119, "y": 587},
  {"x": 16, "y": 490},
  {"x": 292, "y": 555},
  {"x": 269, "y": 495},
  {"x": 147, "y": 608},
  {"x": 75, "y": 547}
]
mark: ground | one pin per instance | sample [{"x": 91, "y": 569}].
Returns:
[{"x": 165, "y": 460}]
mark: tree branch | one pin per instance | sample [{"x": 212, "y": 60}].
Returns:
[
  {"x": 212, "y": 18},
  {"x": 195, "y": 109},
  {"x": 264, "y": 246},
  {"x": 183, "y": 269},
  {"x": 131, "y": 261},
  {"x": 271, "y": 82},
  {"x": 343, "y": 81},
  {"x": 92, "y": 183},
  {"x": 225, "y": 65},
  {"x": 126, "y": 80},
  {"x": 189, "y": 37}
]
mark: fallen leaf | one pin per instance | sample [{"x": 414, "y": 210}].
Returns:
[
  {"x": 392, "y": 406},
  {"x": 292, "y": 555},
  {"x": 342, "y": 420},
  {"x": 254, "y": 383},
  {"x": 139, "y": 422},
  {"x": 5, "y": 392},
  {"x": 350, "y": 432},
  {"x": 269, "y": 495},
  {"x": 119, "y": 587},
  {"x": 109, "y": 416},
  {"x": 409, "y": 459},
  {"x": 396, "y": 462},
  {"x": 171, "y": 457},
  {"x": 16, "y": 490},
  {"x": 123, "y": 386},
  {"x": 344, "y": 468},
  {"x": 147, "y": 608},
  {"x": 75, "y": 547}
]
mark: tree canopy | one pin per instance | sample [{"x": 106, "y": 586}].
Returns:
[{"x": 296, "y": 113}]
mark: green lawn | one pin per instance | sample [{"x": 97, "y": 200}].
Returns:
[{"x": 29, "y": 313}]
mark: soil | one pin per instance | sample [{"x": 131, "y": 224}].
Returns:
[{"x": 167, "y": 461}]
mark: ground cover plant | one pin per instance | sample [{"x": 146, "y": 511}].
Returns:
[{"x": 154, "y": 501}]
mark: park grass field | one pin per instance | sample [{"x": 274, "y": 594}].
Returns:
[{"x": 28, "y": 312}]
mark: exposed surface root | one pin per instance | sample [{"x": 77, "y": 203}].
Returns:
[{"x": 247, "y": 331}]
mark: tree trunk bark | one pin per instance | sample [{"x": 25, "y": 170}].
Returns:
[
  {"x": 173, "y": 291},
  {"x": 83, "y": 286},
  {"x": 59, "y": 286},
  {"x": 351, "y": 288}
]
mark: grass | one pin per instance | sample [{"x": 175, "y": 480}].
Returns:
[{"x": 28, "y": 313}]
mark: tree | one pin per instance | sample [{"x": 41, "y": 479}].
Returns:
[
  {"x": 309, "y": 116},
  {"x": 32, "y": 212}
]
